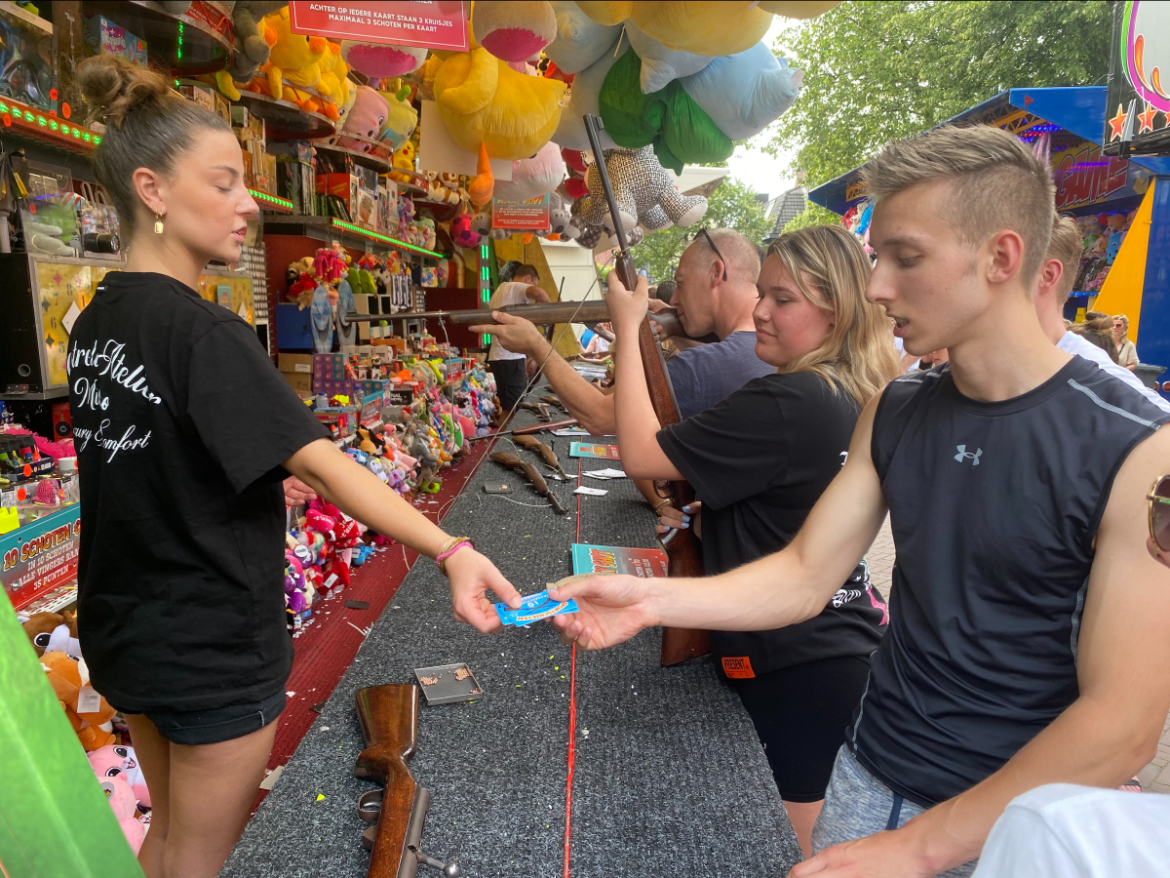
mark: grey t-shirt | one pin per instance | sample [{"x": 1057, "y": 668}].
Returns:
[{"x": 705, "y": 375}]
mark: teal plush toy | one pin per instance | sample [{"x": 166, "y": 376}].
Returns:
[{"x": 743, "y": 94}]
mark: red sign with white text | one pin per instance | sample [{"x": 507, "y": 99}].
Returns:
[{"x": 438, "y": 24}]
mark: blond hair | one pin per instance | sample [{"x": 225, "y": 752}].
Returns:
[
  {"x": 831, "y": 270},
  {"x": 996, "y": 182},
  {"x": 1067, "y": 246}
]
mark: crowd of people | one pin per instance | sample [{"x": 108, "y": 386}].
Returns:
[{"x": 1008, "y": 659}]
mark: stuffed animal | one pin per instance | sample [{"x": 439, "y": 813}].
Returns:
[
  {"x": 125, "y": 807},
  {"x": 366, "y": 118},
  {"x": 484, "y": 102},
  {"x": 462, "y": 233},
  {"x": 294, "y": 58},
  {"x": 438, "y": 190},
  {"x": 512, "y": 31},
  {"x": 54, "y": 632},
  {"x": 401, "y": 118},
  {"x": 334, "y": 81},
  {"x": 703, "y": 27},
  {"x": 584, "y": 98},
  {"x": 380, "y": 60},
  {"x": 251, "y": 45},
  {"x": 660, "y": 65},
  {"x": 534, "y": 177},
  {"x": 560, "y": 220},
  {"x": 581, "y": 41},
  {"x": 120, "y": 760},
  {"x": 680, "y": 130},
  {"x": 68, "y": 679},
  {"x": 745, "y": 93},
  {"x": 640, "y": 184},
  {"x": 403, "y": 163}
]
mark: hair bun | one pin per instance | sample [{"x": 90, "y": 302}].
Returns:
[{"x": 113, "y": 88}]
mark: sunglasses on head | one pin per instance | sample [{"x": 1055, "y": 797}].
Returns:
[
  {"x": 1159, "y": 500},
  {"x": 703, "y": 231}
]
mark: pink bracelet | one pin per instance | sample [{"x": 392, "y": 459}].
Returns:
[{"x": 451, "y": 551}]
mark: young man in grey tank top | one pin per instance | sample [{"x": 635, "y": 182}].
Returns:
[{"x": 1027, "y": 638}]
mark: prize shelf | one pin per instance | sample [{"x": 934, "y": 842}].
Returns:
[
  {"x": 366, "y": 160},
  {"x": 195, "y": 42},
  {"x": 306, "y": 225},
  {"x": 284, "y": 120},
  {"x": 46, "y": 127}
]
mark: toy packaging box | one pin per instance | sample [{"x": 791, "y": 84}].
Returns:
[{"x": 106, "y": 38}]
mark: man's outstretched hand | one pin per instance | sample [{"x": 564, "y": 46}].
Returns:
[
  {"x": 612, "y": 609},
  {"x": 518, "y": 335},
  {"x": 471, "y": 575}
]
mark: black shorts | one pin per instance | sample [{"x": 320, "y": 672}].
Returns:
[
  {"x": 801, "y": 714},
  {"x": 217, "y": 724},
  {"x": 511, "y": 379}
]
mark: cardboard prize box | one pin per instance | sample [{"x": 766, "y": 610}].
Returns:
[{"x": 297, "y": 370}]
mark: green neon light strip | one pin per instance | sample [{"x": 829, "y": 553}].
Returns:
[
  {"x": 386, "y": 239},
  {"x": 270, "y": 199}
]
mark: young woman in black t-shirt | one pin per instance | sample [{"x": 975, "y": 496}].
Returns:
[
  {"x": 758, "y": 462},
  {"x": 185, "y": 432}
]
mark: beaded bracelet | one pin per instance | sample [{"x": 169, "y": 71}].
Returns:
[{"x": 449, "y": 548}]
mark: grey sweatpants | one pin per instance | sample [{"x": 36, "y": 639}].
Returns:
[{"x": 857, "y": 804}]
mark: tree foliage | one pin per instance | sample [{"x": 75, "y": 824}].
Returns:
[
  {"x": 877, "y": 71},
  {"x": 732, "y": 205}
]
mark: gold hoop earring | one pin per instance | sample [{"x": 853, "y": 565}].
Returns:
[{"x": 158, "y": 224}]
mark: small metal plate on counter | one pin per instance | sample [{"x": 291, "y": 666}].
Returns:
[{"x": 446, "y": 684}]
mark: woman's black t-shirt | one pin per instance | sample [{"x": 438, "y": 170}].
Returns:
[
  {"x": 759, "y": 461},
  {"x": 181, "y": 423}
]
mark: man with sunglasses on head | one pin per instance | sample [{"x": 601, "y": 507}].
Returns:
[
  {"x": 715, "y": 293},
  {"x": 1026, "y": 643}
]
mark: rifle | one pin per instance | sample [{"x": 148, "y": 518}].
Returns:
[
  {"x": 537, "y": 447},
  {"x": 539, "y": 409},
  {"x": 543, "y": 315},
  {"x": 531, "y": 428},
  {"x": 389, "y": 720},
  {"x": 682, "y": 549},
  {"x": 508, "y": 459},
  {"x": 549, "y": 399}
]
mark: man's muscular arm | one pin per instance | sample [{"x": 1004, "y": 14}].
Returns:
[{"x": 585, "y": 402}]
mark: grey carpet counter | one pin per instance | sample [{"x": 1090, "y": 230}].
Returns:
[{"x": 670, "y": 777}]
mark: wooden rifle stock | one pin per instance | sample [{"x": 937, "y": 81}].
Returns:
[
  {"x": 682, "y": 549},
  {"x": 537, "y": 447},
  {"x": 531, "y": 428},
  {"x": 510, "y": 460},
  {"x": 389, "y": 720}
]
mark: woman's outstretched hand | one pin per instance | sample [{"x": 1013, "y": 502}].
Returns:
[{"x": 471, "y": 575}]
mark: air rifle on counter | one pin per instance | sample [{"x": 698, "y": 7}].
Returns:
[
  {"x": 389, "y": 720},
  {"x": 669, "y": 326},
  {"x": 537, "y": 447},
  {"x": 684, "y": 557},
  {"x": 539, "y": 409},
  {"x": 508, "y": 459},
  {"x": 531, "y": 428}
]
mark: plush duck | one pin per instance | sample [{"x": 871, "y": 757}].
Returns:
[{"x": 484, "y": 101}]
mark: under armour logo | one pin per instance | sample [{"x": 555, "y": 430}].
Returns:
[{"x": 964, "y": 454}]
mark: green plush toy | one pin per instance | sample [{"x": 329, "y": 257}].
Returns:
[{"x": 680, "y": 130}]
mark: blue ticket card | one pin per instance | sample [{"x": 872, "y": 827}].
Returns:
[{"x": 534, "y": 608}]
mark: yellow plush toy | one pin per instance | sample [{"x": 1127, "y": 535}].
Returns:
[
  {"x": 484, "y": 101},
  {"x": 702, "y": 27},
  {"x": 295, "y": 58},
  {"x": 403, "y": 163},
  {"x": 334, "y": 80}
]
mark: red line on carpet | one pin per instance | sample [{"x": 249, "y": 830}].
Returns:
[{"x": 572, "y": 749}]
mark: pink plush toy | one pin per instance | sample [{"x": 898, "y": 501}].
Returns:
[
  {"x": 121, "y": 799},
  {"x": 380, "y": 60},
  {"x": 119, "y": 760},
  {"x": 461, "y": 231},
  {"x": 514, "y": 32},
  {"x": 320, "y": 522},
  {"x": 366, "y": 118},
  {"x": 294, "y": 582},
  {"x": 534, "y": 177}
]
